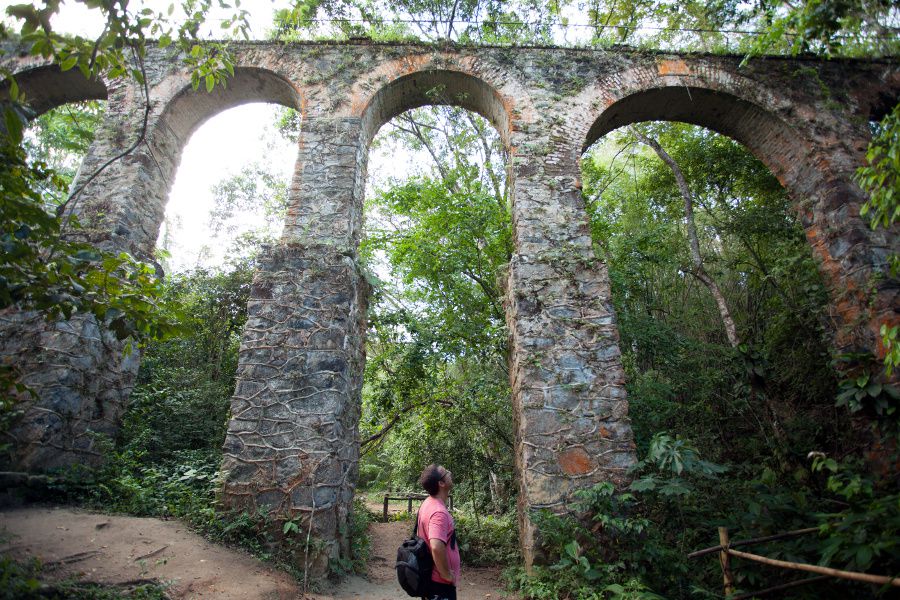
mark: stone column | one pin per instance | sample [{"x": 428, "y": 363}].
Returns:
[
  {"x": 572, "y": 427},
  {"x": 853, "y": 258},
  {"x": 76, "y": 367},
  {"x": 293, "y": 444}
]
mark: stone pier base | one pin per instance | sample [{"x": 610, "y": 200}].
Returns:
[
  {"x": 78, "y": 378},
  {"x": 292, "y": 445}
]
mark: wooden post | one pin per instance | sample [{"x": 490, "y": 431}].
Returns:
[
  {"x": 409, "y": 504},
  {"x": 724, "y": 560},
  {"x": 385, "y": 507}
]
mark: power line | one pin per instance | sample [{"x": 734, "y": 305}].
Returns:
[{"x": 632, "y": 28}]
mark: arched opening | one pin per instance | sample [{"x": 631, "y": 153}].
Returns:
[
  {"x": 46, "y": 88},
  {"x": 437, "y": 238},
  {"x": 435, "y": 88},
  {"x": 229, "y": 194},
  {"x": 185, "y": 113},
  {"x": 64, "y": 110},
  {"x": 817, "y": 175},
  {"x": 771, "y": 140},
  {"x": 696, "y": 231}
]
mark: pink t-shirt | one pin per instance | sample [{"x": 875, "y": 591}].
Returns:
[{"x": 435, "y": 522}]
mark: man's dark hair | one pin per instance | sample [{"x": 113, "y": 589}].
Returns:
[{"x": 430, "y": 478}]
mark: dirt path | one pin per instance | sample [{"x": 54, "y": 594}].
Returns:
[
  {"x": 115, "y": 549},
  {"x": 380, "y": 582}
]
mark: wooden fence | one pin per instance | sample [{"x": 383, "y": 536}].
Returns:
[
  {"x": 726, "y": 550},
  {"x": 409, "y": 501}
]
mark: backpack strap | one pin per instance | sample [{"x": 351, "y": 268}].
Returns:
[{"x": 416, "y": 524}]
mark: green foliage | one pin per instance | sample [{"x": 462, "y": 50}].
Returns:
[
  {"x": 192, "y": 374},
  {"x": 865, "y": 535},
  {"x": 44, "y": 268},
  {"x": 436, "y": 387},
  {"x": 60, "y": 138},
  {"x": 865, "y": 391},
  {"x": 680, "y": 369},
  {"x": 890, "y": 339},
  {"x": 23, "y": 581},
  {"x": 880, "y": 177},
  {"x": 857, "y": 515},
  {"x": 828, "y": 27},
  {"x": 464, "y": 21},
  {"x": 486, "y": 540},
  {"x": 120, "y": 48},
  {"x": 669, "y": 458}
]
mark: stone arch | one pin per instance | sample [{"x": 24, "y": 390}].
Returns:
[
  {"x": 47, "y": 87},
  {"x": 778, "y": 145},
  {"x": 131, "y": 220},
  {"x": 188, "y": 108},
  {"x": 813, "y": 155},
  {"x": 434, "y": 87}
]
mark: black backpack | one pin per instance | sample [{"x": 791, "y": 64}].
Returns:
[{"x": 414, "y": 564}]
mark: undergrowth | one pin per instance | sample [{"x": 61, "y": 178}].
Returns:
[{"x": 26, "y": 580}]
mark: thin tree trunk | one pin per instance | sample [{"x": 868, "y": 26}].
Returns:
[
  {"x": 699, "y": 270},
  {"x": 757, "y": 383}
]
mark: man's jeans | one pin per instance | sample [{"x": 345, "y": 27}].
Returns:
[{"x": 441, "y": 591}]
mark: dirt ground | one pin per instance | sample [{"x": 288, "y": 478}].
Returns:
[{"x": 116, "y": 550}]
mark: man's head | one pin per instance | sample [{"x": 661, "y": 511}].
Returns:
[{"x": 434, "y": 478}]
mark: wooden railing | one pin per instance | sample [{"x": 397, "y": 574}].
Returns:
[
  {"x": 409, "y": 501},
  {"x": 726, "y": 550}
]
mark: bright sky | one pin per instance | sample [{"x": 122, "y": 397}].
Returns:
[{"x": 220, "y": 148}]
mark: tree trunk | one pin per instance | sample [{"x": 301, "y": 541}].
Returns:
[
  {"x": 699, "y": 270},
  {"x": 757, "y": 383}
]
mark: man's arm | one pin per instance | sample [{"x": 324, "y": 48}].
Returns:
[{"x": 441, "y": 563}]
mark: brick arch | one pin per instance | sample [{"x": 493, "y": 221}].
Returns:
[
  {"x": 435, "y": 87},
  {"x": 817, "y": 172},
  {"x": 187, "y": 108},
  {"x": 776, "y": 143},
  {"x": 46, "y": 87}
]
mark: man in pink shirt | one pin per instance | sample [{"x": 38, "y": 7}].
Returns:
[{"x": 436, "y": 527}]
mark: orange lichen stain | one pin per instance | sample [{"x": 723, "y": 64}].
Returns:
[
  {"x": 604, "y": 432},
  {"x": 575, "y": 461},
  {"x": 673, "y": 67}
]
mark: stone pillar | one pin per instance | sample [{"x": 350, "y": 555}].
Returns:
[
  {"x": 76, "y": 367},
  {"x": 852, "y": 256},
  {"x": 572, "y": 427},
  {"x": 293, "y": 444}
]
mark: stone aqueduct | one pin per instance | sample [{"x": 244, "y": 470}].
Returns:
[{"x": 292, "y": 441}]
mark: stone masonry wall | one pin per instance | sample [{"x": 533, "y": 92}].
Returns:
[
  {"x": 292, "y": 444},
  {"x": 292, "y": 441}
]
